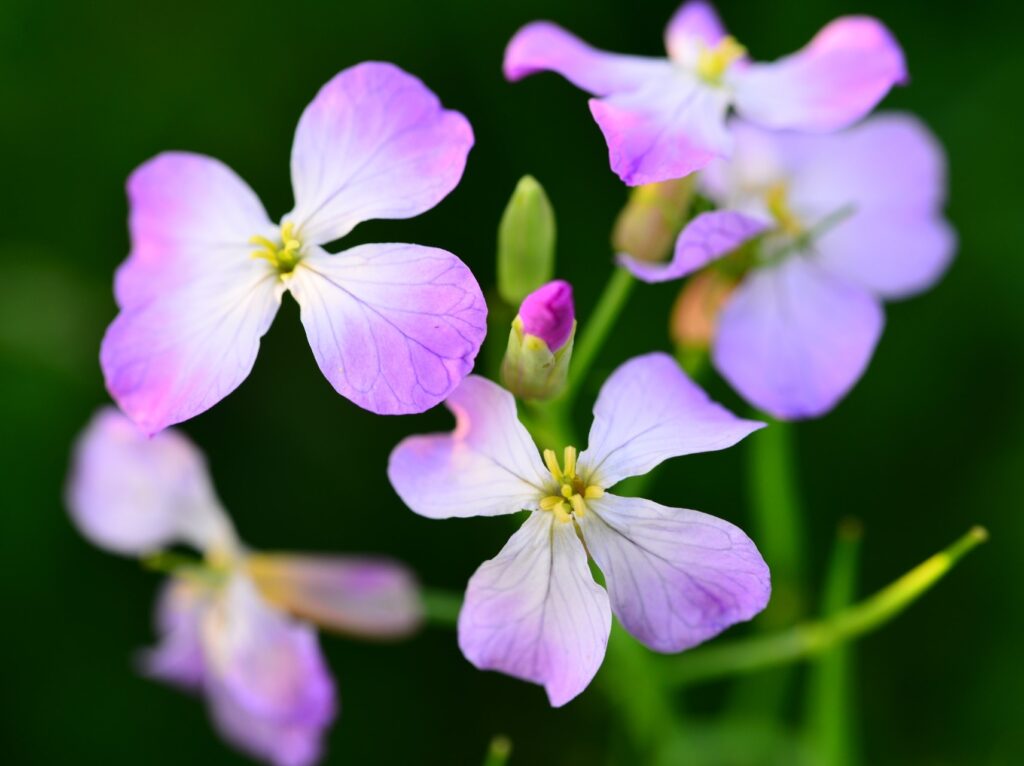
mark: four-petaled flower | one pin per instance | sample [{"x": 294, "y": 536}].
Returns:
[
  {"x": 845, "y": 220},
  {"x": 228, "y": 624},
  {"x": 665, "y": 118},
  {"x": 393, "y": 327},
  {"x": 675, "y": 577}
]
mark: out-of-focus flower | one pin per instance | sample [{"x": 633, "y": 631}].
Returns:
[
  {"x": 675, "y": 577},
  {"x": 228, "y": 623},
  {"x": 536, "y": 361},
  {"x": 845, "y": 221},
  {"x": 665, "y": 118},
  {"x": 393, "y": 327},
  {"x": 651, "y": 220},
  {"x": 526, "y": 242},
  {"x": 695, "y": 312}
]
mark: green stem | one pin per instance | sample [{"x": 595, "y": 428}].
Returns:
[
  {"x": 498, "y": 751},
  {"x": 595, "y": 332},
  {"x": 830, "y": 708},
  {"x": 812, "y": 638},
  {"x": 441, "y": 607}
]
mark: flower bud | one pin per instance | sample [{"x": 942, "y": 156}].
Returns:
[
  {"x": 695, "y": 312},
  {"x": 649, "y": 223},
  {"x": 536, "y": 361},
  {"x": 526, "y": 242}
]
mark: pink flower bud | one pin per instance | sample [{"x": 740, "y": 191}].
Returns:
[{"x": 548, "y": 313}]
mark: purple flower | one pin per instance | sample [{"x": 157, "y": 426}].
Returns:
[
  {"x": 228, "y": 624},
  {"x": 393, "y": 327},
  {"x": 675, "y": 577},
  {"x": 665, "y": 118},
  {"x": 846, "y": 220}
]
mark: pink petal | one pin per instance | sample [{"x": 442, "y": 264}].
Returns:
[
  {"x": 793, "y": 339},
  {"x": 487, "y": 466},
  {"x": 375, "y": 142},
  {"x": 267, "y": 684},
  {"x": 535, "y": 613},
  {"x": 648, "y": 411},
  {"x": 706, "y": 238},
  {"x": 194, "y": 304},
  {"x": 694, "y": 25},
  {"x": 671, "y": 127},
  {"x": 131, "y": 494},
  {"x": 839, "y": 77},
  {"x": 394, "y": 328},
  {"x": 370, "y": 597},
  {"x": 675, "y": 577},
  {"x": 178, "y": 658},
  {"x": 545, "y": 47}
]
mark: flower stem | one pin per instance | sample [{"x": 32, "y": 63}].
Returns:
[
  {"x": 441, "y": 607},
  {"x": 810, "y": 639},
  {"x": 595, "y": 332},
  {"x": 498, "y": 751}
]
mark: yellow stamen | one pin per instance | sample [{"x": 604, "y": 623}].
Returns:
[
  {"x": 778, "y": 205},
  {"x": 569, "y": 462},
  {"x": 552, "y": 463},
  {"x": 283, "y": 256},
  {"x": 570, "y": 492},
  {"x": 712, "y": 63},
  {"x": 593, "y": 492}
]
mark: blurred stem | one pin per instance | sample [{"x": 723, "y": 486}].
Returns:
[
  {"x": 595, "y": 332},
  {"x": 499, "y": 751},
  {"x": 441, "y": 607},
  {"x": 810, "y": 639},
  {"x": 830, "y": 707}
]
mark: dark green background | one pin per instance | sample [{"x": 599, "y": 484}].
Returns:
[{"x": 927, "y": 444}]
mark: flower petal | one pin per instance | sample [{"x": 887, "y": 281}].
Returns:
[
  {"x": 793, "y": 339},
  {"x": 371, "y": 597},
  {"x": 892, "y": 171},
  {"x": 535, "y": 613},
  {"x": 545, "y": 47},
  {"x": 189, "y": 214},
  {"x": 487, "y": 466},
  {"x": 178, "y": 658},
  {"x": 648, "y": 411},
  {"x": 675, "y": 577},
  {"x": 694, "y": 25},
  {"x": 393, "y": 327},
  {"x": 269, "y": 689},
  {"x": 672, "y": 126},
  {"x": 131, "y": 494},
  {"x": 706, "y": 238},
  {"x": 836, "y": 79},
  {"x": 375, "y": 142}
]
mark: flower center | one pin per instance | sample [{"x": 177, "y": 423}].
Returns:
[
  {"x": 713, "y": 61},
  {"x": 571, "y": 492},
  {"x": 283, "y": 255},
  {"x": 777, "y": 199}
]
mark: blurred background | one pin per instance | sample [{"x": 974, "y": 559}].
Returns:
[{"x": 926, "y": 445}]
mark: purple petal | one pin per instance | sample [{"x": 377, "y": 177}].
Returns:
[
  {"x": 706, "y": 238},
  {"x": 648, "y": 411},
  {"x": 374, "y": 143},
  {"x": 675, "y": 577},
  {"x": 487, "y": 466},
  {"x": 545, "y": 47},
  {"x": 535, "y": 613},
  {"x": 194, "y": 304},
  {"x": 268, "y": 687},
  {"x": 548, "y": 313},
  {"x": 694, "y": 25},
  {"x": 892, "y": 172},
  {"x": 394, "y": 328},
  {"x": 131, "y": 494},
  {"x": 839, "y": 77},
  {"x": 370, "y": 597},
  {"x": 673, "y": 126},
  {"x": 178, "y": 658},
  {"x": 793, "y": 339}
]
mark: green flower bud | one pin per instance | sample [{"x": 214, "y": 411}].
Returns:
[
  {"x": 536, "y": 363},
  {"x": 526, "y": 242}
]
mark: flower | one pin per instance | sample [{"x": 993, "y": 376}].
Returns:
[
  {"x": 675, "y": 577},
  {"x": 393, "y": 327},
  {"x": 228, "y": 623},
  {"x": 844, "y": 220},
  {"x": 666, "y": 118},
  {"x": 540, "y": 343}
]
